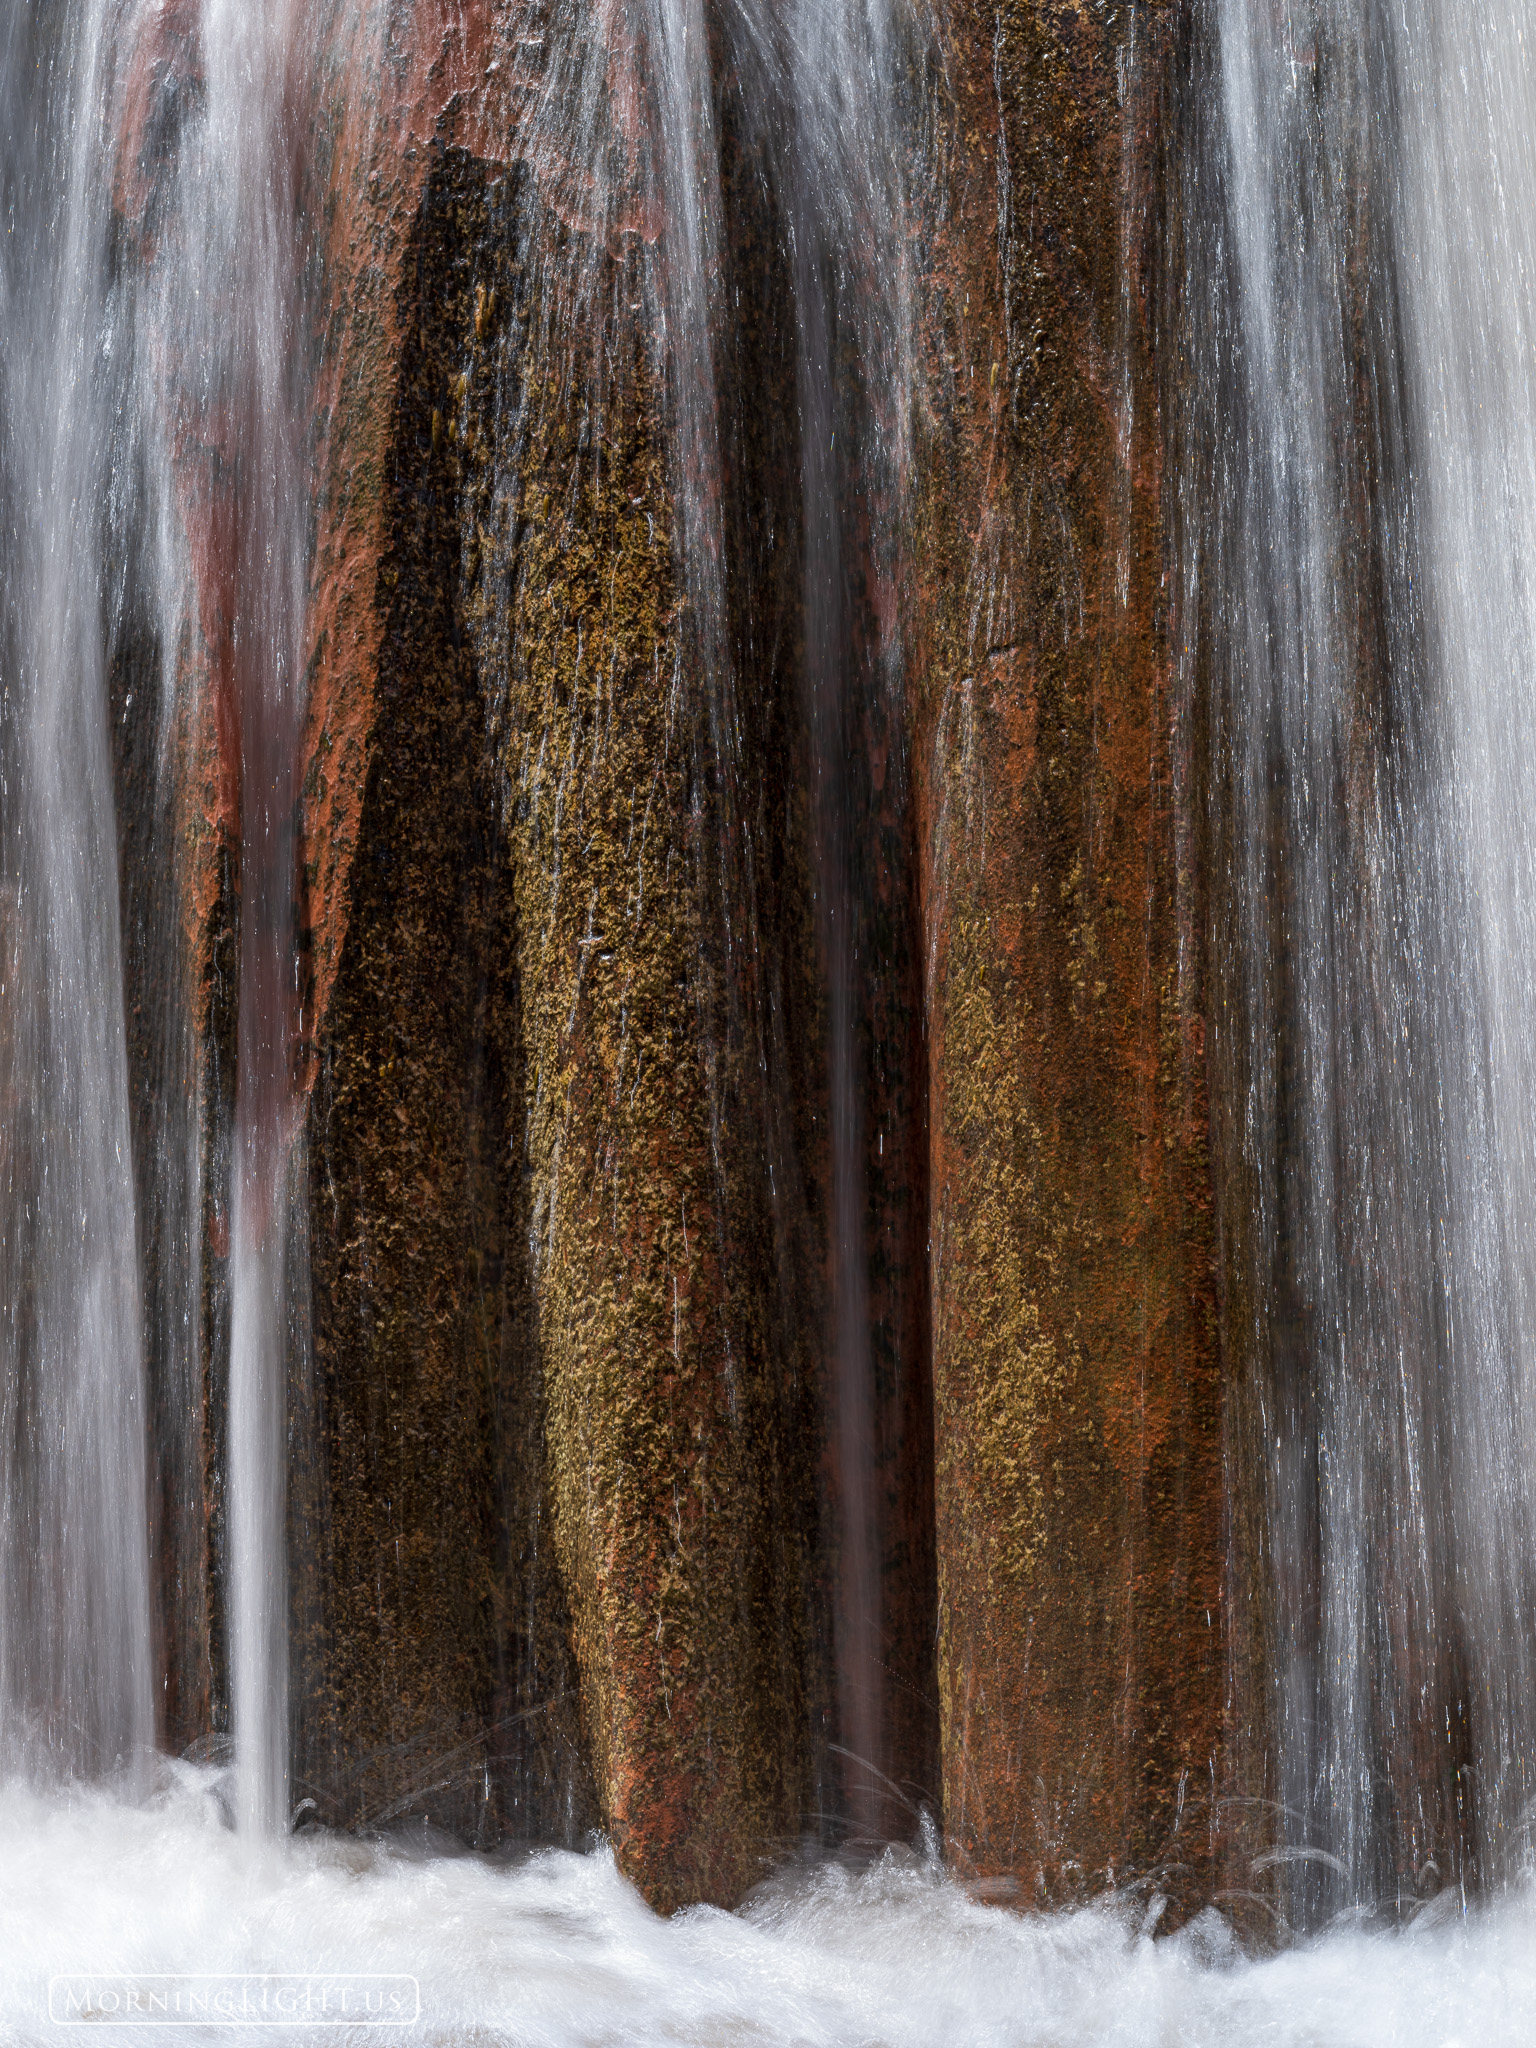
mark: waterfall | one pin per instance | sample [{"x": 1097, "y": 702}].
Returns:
[
  {"x": 521, "y": 526},
  {"x": 1359, "y": 513},
  {"x": 159, "y": 458},
  {"x": 75, "y": 1661},
  {"x": 155, "y": 503}
]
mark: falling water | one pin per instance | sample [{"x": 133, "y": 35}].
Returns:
[
  {"x": 247, "y": 260},
  {"x": 74, "y": 1611},
  {"x": 1360, "y": 517},
  {"x": 154, "y": 410},
  {"x": 844, "y": 202},
  {"x": 222, "y": 418},
  {"x": 148, "y": 412}
]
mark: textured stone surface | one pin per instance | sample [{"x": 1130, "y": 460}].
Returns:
[
  {"x": 1077, "y": 1385},
  {"x": 437, "y": 1679},
  {"x": 564, "y": 1507},
  {"x": 670, "y": 1270}
]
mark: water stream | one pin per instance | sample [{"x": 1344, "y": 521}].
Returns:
[
  {"x": 1360, "y": 534},
  {"x": 74, "y": 1613},
  {"x": 1354, "y": 470},
  {"x": 246, "y": 257}
]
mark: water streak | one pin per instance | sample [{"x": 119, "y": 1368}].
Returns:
[
  {"x": 158, "y": 528},
  {"x": 844, "y": 191},
  {"x": 74, "y": 1611},
  {"x": 1359, "y": 508},
  {"x": 246, "y": 260}
]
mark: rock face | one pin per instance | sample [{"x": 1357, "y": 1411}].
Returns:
[
  {"x": 437, "y": 1680},
  {"x": 568, "y": 1504},
  {"x": 1077, "y": 1386},
  {"x": 564, "y": 1545},
  {"x": 564, "y": 1499}
]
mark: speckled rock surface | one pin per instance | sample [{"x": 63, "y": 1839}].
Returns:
[
  {"x": 564, "y": 1500},
  {"x": 1078, "y": 1395},
  {"x": 429, "y": 1617}
]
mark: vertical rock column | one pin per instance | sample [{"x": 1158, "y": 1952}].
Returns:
[
  {"x": 668, "y": 1269},
  {"x": 1077, "y": 1391},
  {"x": 435, "y": 1680},
  {"x": 556, "y": 1546},
  {"x": 562, "y": 1500}
]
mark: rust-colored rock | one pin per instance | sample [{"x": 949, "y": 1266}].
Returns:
[
  {"x": 1077, "y": 1387},
  {"x": 437, "y": 1680},
  {"x": 420, "y": 1692},
  {"x": 563, "y": 1500}
]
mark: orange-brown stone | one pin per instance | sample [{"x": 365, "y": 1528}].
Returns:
[{"x": 1078, "y": 1399}]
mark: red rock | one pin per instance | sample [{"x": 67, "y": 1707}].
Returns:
[{"x": 1078, "y": 1389}]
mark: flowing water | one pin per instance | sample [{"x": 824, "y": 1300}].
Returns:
[
  {"x": 557, "y": 1952},
  {"x": 157, "y": 461},
  {"x": 1359, "y": 510},
  {"x": 1356, "y": 485},
  {"x": 74, "y": 1611},
  {"x": 149, "y": 414},
  {"x": 244, "y": 256}
]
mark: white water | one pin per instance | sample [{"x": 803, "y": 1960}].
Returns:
[
  {"x": 152, "y": 485},
  {"x": 558, "y": 1952},
  {"x": 74, "y": 1605},
  {"x": 1362, "y": 312}
]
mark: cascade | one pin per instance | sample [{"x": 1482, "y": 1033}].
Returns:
[
  {"x": 1359, "y": 520},
  {"x": 75, "y": 1666},
  {"x": 198, "y": 423},
  {"x": 767, "y": 1082},
  {"x": 153, "y": 482}
]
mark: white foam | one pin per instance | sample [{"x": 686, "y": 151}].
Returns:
[{"x": 559, "y": 1952}]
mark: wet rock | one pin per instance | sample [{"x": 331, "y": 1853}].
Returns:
[
  {"x": 565, "y": 1500},
  {"x": 562, "y": 1502},
  {"x": 1077, "y": 1384},
  {"x": 429, "y": 1620}
]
